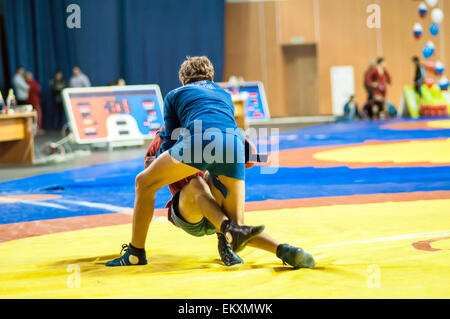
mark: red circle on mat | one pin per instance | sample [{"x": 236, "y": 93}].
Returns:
[{"x": 426, "y": 244}]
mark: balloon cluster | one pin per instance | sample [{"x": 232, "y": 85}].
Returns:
[{"x": 437, "y": 17}]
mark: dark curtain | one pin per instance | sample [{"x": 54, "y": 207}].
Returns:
[{"x": 143, "y": 41}]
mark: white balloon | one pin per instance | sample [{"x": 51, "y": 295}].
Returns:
[
  {"x": 418, "y": 27},
  {"x": 430, "y": 44},
  {"x": 432, "y": 3},
  {"x": 437, "y": 16}
]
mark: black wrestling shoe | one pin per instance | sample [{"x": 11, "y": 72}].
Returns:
[
  {"x": 228, "y": 256},
  {"x": 294, "y": 256},
  {"x": 239, "y": 235}
]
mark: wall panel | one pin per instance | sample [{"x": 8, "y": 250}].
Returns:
[{"x": 338, "y": 28}]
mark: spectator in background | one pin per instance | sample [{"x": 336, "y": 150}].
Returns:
[
  {"x": 419, "y": 77},
  {"x": 20, "y": 86},
  {"x": 368, "y": 88},
  {"x": 378, "y": 79},
  {"x": 57, "y": 84},
  {"x": 351, "y": 108},
  {"x": 369, "y": 109},
  {"x": 119, "y": 82},
  {"x": 34, "y": 98},
  {"x": 79, "y": 79}
]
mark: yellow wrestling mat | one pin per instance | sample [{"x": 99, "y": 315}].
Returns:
[
  {"x": 361, "y": 251},
  {"x": 431, "y": 151},
  {"x": 444, "y": 124}
]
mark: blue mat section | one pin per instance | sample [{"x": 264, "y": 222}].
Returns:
[
  {"x": 353, "y": 132},
  {"x": 109, "y": 188}
]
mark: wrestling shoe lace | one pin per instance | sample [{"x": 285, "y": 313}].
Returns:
[{"x": 132, "y": 257}]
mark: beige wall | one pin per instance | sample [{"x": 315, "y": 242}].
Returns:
[
  {"x": 252, "y": 50},
  {"x": 259, "y": 46}
]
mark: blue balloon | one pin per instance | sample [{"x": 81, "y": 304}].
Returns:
[
  {"x": 427, "y": 52},
  {"x": 439, "y": 69},
  {"x": 434, "y": 29},
  {"x": 444, "y": 85}
]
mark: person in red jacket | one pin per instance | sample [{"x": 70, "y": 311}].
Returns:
[
  {"x": 379, "y": 80},
  {"x": 34, "y": 98},
  {"x": 185, "y": 210}
]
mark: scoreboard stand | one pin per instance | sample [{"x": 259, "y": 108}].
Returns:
[
  {"x": 115, "y": 116},
  {"x": 255, "y": 102}
]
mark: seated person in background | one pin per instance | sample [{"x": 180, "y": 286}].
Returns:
[
  {"x": 392, "y": 111},
  {"x": 351, "y": 108},
  {"x": 371, "y": 109}
]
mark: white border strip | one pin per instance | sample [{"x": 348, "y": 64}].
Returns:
[{"x": 441, "y": 233}]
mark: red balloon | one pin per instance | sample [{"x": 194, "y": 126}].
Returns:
[{"x": 429, "y": 82}]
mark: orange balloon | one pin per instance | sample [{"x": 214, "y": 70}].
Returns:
[{"x": 430, "y": 66}]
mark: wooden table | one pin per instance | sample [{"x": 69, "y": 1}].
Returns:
[
  {"x": 239, "y": 112},
  {"x": 16, "y": 138}
]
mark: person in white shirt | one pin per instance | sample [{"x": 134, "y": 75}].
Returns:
[
  {"x": 79, "y": 79},
  {"x": 20, "y": 86}
]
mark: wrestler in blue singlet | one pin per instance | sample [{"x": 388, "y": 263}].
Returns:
[{"x": 207, "y": 102}]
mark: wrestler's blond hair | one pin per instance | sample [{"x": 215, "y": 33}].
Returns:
[{"x": 196, "y": 68}]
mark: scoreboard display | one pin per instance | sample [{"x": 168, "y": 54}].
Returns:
[
  {"x": 114, "y": 113},
  {"x": 255, "y": 104}
]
